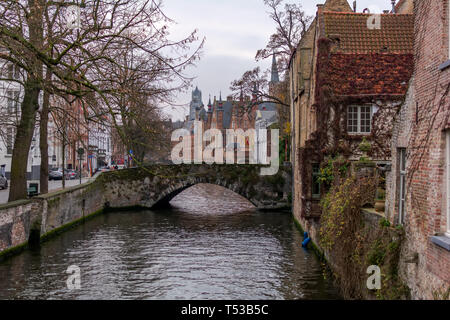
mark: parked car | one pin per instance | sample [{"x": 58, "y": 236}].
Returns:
[
  {"x": 55, "y": 174},
  {"x": 3, "y": 182},
  {"x": 71, "y": 174},
  {"x": 104, "y": 169}
]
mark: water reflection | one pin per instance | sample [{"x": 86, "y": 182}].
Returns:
[{"x": 212, "y": 244}]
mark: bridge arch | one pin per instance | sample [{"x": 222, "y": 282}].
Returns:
[
  {"x": 154, "y": 186},
  {"x": 171, "y": 192}
]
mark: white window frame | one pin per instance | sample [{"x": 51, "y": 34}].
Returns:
[
  {"x": 13, "y": 71},
  {"x": 13, "y": 97},
  {"x": 447, "y": 133},
  {"x": 402, "y": 186},
  {"x": 358, "y": 132}
]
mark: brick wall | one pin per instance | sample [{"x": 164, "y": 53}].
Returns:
[
  {"x": 400, "y": 137},
  {"x": 45, "y": 213},
  {"x": 428, "y": 106}
]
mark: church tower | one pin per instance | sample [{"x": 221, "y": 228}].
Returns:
[
  {"x": 209, "y": 114},
  {"x": 196, "y": 104},
  {"x": 275, "y": 77},
  {"x": 220, "y": 113}
]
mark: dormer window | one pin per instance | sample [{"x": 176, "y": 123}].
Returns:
[{"x": 359, "y": 119}]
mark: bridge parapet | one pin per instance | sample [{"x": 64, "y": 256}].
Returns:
[{"x": 154, "y": 186}]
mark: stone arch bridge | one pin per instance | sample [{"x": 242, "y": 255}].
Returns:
[
  {"x": 154, "y": 186},
  {"x": 38, "y": 218}
]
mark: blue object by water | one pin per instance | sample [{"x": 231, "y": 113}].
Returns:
[
  {"x": 305, "y": 235},
  {"x": 305, "y": 242}
]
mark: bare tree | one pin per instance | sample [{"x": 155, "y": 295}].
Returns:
[
  {"x": 254, "y": 83},
  {"x": 78, "y": 60},
  {"x": 291, "y": 23}
]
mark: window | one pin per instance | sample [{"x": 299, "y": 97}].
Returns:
[
  {"x": 315, "y": 181},
  {"x": 359, "y": 119},
  {"x": 447, "y": 159},
  {"x": 402, "y": 191},
  {"x": 13, "y": 72},
  {"x": 13, "y": 101},
  {"x": 9, "y": 140}
]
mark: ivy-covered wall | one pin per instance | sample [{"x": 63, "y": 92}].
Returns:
[{"x": 352, "y": 236}]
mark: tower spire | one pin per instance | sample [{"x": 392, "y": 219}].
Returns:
[
  {"x": 255, "y": 88},
  {"x": 255, "y": 92},
  {"x": 275, "y": 78}
]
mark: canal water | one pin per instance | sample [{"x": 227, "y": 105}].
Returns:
[{"x": 212, "y": 244}]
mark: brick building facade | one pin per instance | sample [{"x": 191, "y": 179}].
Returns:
[
  {"x": 246, "y": 114},
  {"x": 418, "y": 187},
  {"x": 345, "y": 87},
  {"x": 403, "y": 71}
]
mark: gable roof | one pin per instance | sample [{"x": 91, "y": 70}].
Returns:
[
  {"x": 227, "y": 109},
  {"x": 396, "y": 34},
  {"x": 307, "y": 40}
]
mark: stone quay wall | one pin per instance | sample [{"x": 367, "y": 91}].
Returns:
[
  {"x": 28, "y": 221},
  {"x": 34, "y": 220}
]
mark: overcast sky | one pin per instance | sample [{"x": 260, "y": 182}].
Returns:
[{"x": 234, "y": 31}]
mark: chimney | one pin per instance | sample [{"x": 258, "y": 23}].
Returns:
[
  {"x": 320, "y": 8},
  {"x": 393, "y": 6},
  {"x": 354, "y": 6}
]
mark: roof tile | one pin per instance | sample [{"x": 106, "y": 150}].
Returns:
[{"x": 396, "y": 33}]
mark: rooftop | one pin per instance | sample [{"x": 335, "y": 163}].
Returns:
[{"x": 395, "y": 35}]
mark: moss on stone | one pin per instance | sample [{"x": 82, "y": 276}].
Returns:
[
  {"x": 53, "y": 202},
  {"x": 276, "y": 181},
  {"x": 14, "y": 204},
  {"x": 69, "y": 225},
  {"x": 5, "y": 254},
  {"x": 311, "y": 244}
]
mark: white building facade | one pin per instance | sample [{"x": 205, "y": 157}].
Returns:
[{"x": 11, "y": 96}]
